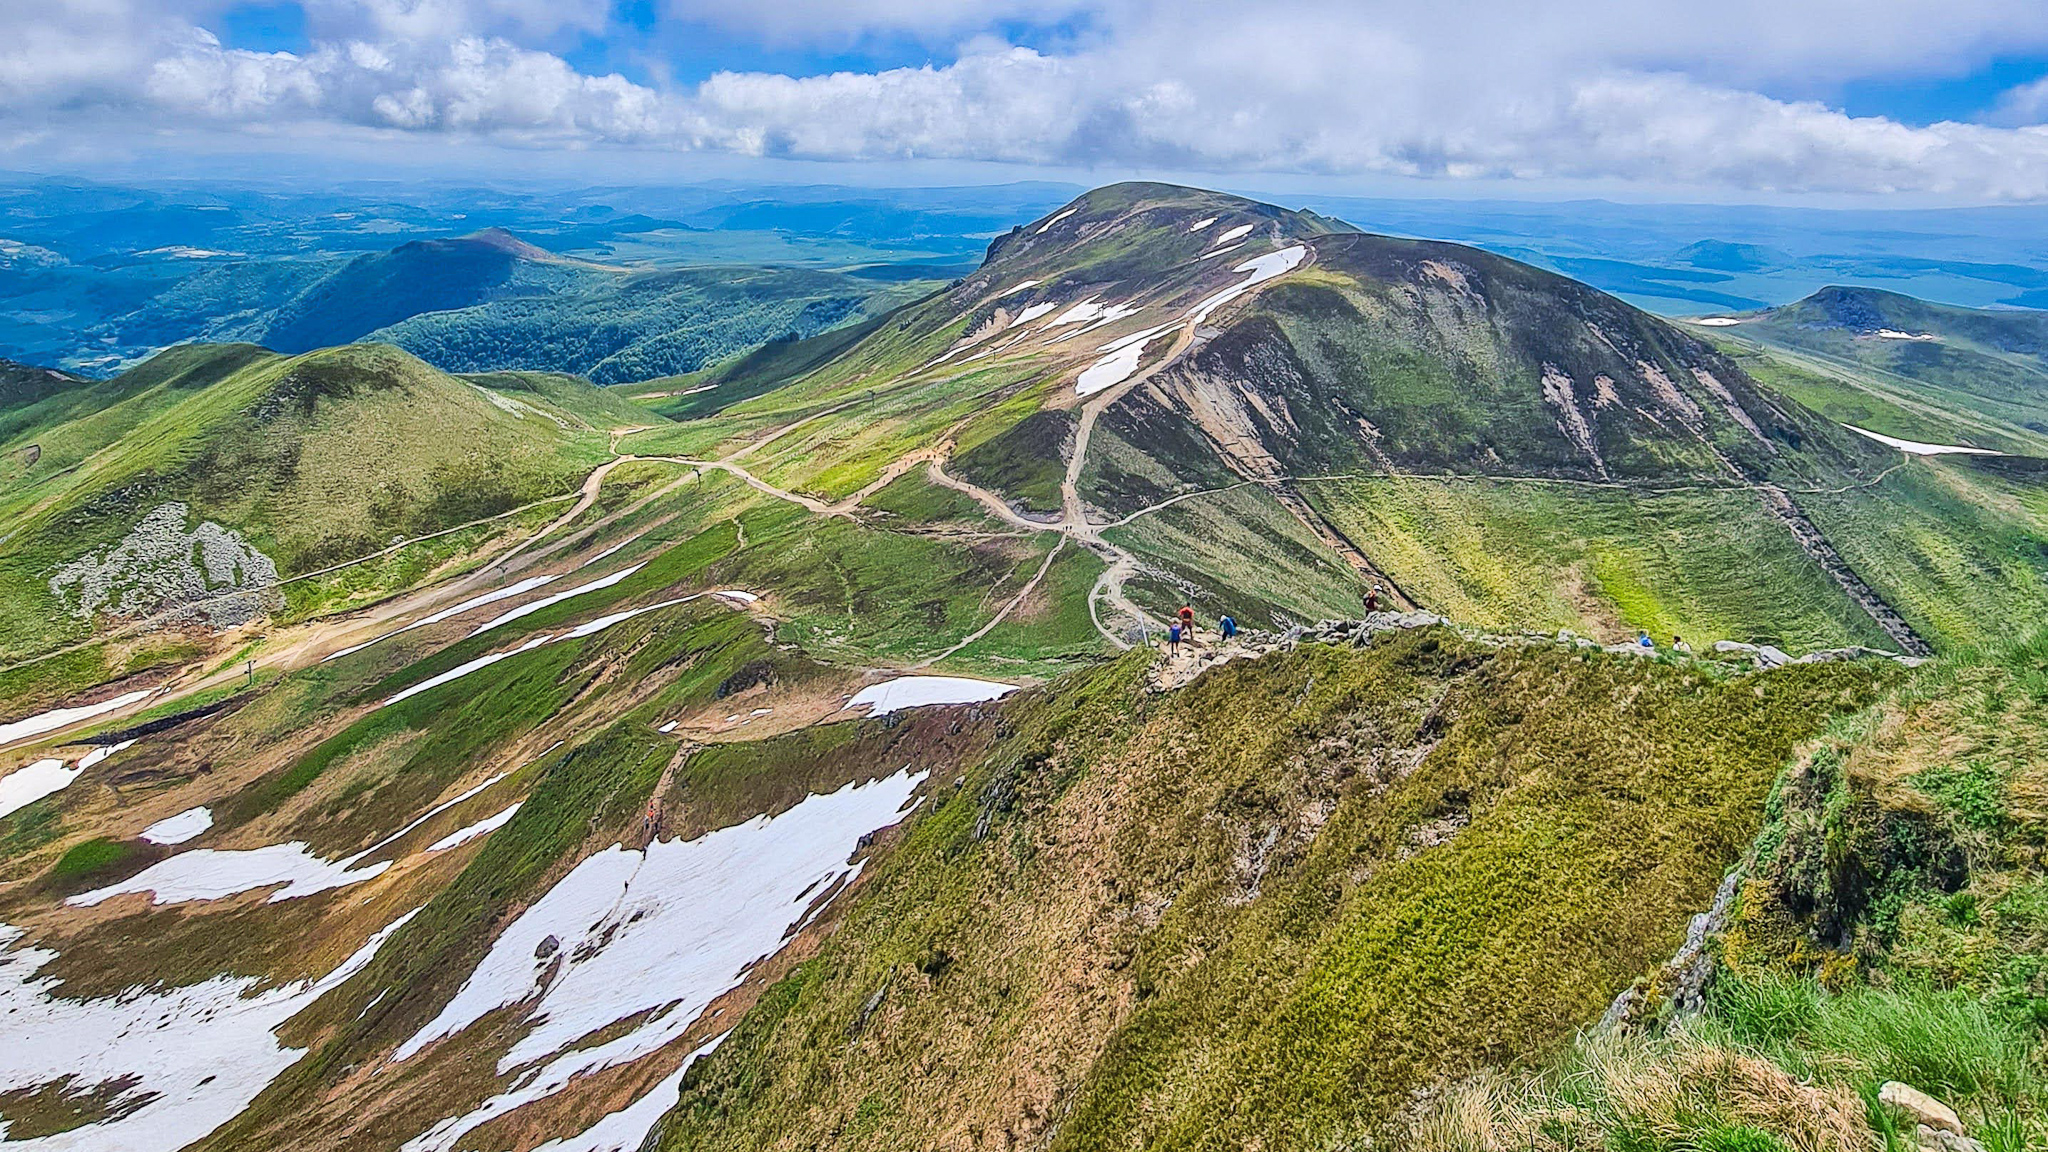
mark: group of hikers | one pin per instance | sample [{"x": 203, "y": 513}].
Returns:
[{"x": 1181, "y": 629}]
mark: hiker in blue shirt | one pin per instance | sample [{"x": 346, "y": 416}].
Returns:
[
  {"x": 1227, "y": 626},
  {"x": 1173, "y": 638},
  {"x": 1643, "y": 638}
]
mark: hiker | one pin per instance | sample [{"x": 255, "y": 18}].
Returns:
[
  {"x": 1372, "y": 600},
  {"x": 1679, "y": 645},
  {"x": 1643, "y": 638},
  {"x": 1173, "y": 638},
  {"x": 1187, "y": 623},
  {"x": 1227, "y": 627}
]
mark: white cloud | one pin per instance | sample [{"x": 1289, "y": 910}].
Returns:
[{"x": 1592, "y": 89}]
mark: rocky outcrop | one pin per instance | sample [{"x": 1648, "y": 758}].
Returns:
[{"x": 209, "y": 573}]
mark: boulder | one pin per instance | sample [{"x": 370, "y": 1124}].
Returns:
[
  {"x": 1854, "y": 652},
  {"x": 1919, "y": 1107}
]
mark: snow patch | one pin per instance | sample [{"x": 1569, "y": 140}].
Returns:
[
  {"x": 550, "y": 601},
  {"x": 186, "y": 825},
  {"x": 1717, "y": 321},
  {"x": 486, "y": 825},
  {"x": 1119, "y": 365},
  {"x": 916, "y": 691},
  {"x": 1016, "y": 288},
  {"x": 57, "y": 718},
  {"x": 1054, "y": 220},
  {"x": 30, "y": 783},
  {"x": 591, "y": 628},
  {"x": 1238, "y": 232},
  {"x": 199, "y": 1054},
  {"x": 1033, "y": 312},
  {"x": 461, "y": 670},
  {"x": 102, "y": 752},
  {"x": 215, "y": 874},
  {"x": 1224, "y": 251},
  {"x": 626, "y": 1129},
  {"x": 665, "y": 930},
  {"x": 1198, "y": 225},
  {"x": 1261, "y": 269},
  {"x": 1895, "y": 334},
  {"x": 492, "y": 597},
  {"x": 1916, "y": 448}
]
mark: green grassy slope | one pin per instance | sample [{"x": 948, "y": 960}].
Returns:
[
  {"x": 314, "y": 460},
  {"x": 1267, "y": 908},
  {"x": 1888, "y": 927},
  {"x": 1963, "y": 366}
]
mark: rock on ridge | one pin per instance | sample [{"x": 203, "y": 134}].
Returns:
[{"x": 211, "y": 571}]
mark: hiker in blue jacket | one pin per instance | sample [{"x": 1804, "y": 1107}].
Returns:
[{"x": 1227, "y": 626}]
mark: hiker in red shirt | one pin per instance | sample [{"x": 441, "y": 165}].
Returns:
[{"x": 1187, "y": 624}]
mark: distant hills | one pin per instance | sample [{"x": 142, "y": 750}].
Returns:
[
  {"x": 1981, "y": 373},
  {"x": 486, "y": 301}
]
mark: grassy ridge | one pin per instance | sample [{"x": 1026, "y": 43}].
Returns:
[
  {"x": 1262, "y": 909},
  {"x": 1891, "y": 928}
]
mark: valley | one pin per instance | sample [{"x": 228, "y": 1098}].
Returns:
[{"x": 778, "y": 750}]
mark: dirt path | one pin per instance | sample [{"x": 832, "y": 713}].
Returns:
[
  {"x": 1029, "y": 586},
  {"x": 322, "y": 637}
]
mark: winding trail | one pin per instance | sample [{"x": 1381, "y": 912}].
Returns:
[{"x": 1029, "y": 586}]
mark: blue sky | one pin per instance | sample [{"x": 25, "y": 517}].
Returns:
[{"x": 1922, "y": 101}]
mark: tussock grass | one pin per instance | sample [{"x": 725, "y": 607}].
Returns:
[{"x": 1632, "y": 1093}]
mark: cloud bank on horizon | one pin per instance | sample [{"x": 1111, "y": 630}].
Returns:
[{"x": 1731, "y": 96}]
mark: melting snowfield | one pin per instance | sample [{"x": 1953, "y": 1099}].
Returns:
[
  {"x": 623, "y": 1131},
  {"x": 215, "y": 874},
  {"x": 186, "y": 825},
  {"x": 1916, "y": 448},
  {"x": 589, "y": 628},
  {"x": 664, "y": 931},
  {"x": 1262, "y": 269},
  {"x": 491, "y": 597},
  {"x": 1234, "y": 233},
  {"x": 916, "y": 691},
  {"x": 1717, "y": 321},
  {"x": 1054, "y": 220},
  {"x": 196, "y": 1055},
  {"x": 31, "y": 782},
  {"x": 46, "y": 777},
  {"x": 57, "y": 718},
  {"x": 557, "y": 598},
  {"x": 1117, "y": 367},
  {"x": 465, "y": 835}
]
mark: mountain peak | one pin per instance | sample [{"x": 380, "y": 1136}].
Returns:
[{"x": 503, "y": 240}]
